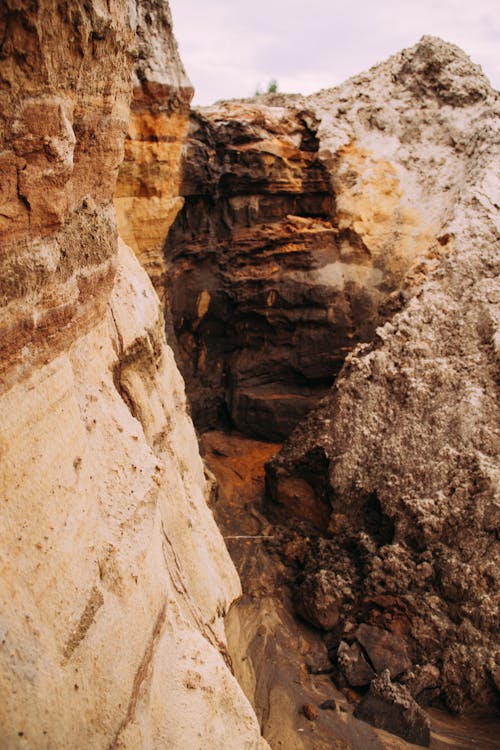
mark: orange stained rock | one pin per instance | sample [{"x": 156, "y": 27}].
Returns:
[
  {"x": 278, "y": 147},
  {"x": 373, "y": 203},
  {"x": 152, "y": 154},
  {"x": 236, "y": 461},
  {"x": 147, "y": 192},
  {"x": 300, "y": 501}
]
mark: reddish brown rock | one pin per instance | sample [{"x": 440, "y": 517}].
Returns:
[
  {"x": 385, "y": 650},
  {"x": 310, "y": 711},
  {"x": 147, "y": 193},
  {"x": 61, "y": 136},
  {"x": 255, "y": 345},
  {"x": 279, "y": 260}
]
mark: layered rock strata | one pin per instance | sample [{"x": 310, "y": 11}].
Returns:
[
  {"x": 301, "y": 218},
  {"x": 114, "y": 577},
  {"x": 254, "y": 224},
  {"x": 147, "y": 192},
  {"x": 403, "y": 452}
]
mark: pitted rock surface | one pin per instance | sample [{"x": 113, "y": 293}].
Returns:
[
  {"x": 391, "y": 707},
  {"x": 405, "y": 447},
  {"x": 302, "y": 215}
]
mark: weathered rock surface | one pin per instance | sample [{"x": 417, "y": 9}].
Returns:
[
  {"x": 354, "y": 665},
  {"x": 255, "y": 222},
  {"x": 114, "y": 578},
  {"x": 301, "y": 217},
  {"x": 275, "y": 657},
  {"x": 147, "y": 192},
  {"x": 405, "y": 447},
  {"x": 281, "y": 662},
  {"x": 384, "y": 650},
  {"x": 391, "y": 707},
  {"x": 62, "y": 119}
]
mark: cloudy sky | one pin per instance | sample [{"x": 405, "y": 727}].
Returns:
[{"x": 232, "y": 47}]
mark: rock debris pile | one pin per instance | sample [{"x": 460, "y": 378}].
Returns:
[{"x": 403, "y": 452}]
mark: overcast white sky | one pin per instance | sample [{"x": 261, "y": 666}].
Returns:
[{"x": 231, "y": 47}]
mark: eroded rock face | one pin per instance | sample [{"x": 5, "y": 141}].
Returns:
[
  {"x": 405, "y": 447},
  {"x": 114, "y": 579},
  {"x": 147, "y": 193},
  {"x": 302, "y": 217},
  {"x": 391, "y": 707},
  {"x": 255, "y": 222},
  {"x": 61, "y": 140}
]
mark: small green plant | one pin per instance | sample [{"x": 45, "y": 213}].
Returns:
[{"x": 272, "y": 88}]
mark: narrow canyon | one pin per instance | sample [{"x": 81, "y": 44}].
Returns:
[{"x": 249, "y": 447}]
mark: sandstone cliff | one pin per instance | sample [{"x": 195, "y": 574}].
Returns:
[
  {"x": 404, "y": 450},
  {"x": 147, "y": 192},
  {"x": 114, "y": 577}
]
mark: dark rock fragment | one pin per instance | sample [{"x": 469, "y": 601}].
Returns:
[
  {"x": 385, "y": 650},
  {"x": 423, "y": 683},
  {"x": 353, "y": 664},
  {"x": 391, "y": 707},
  {"x": 318, "y": 600},
  {"x": 329, "y": 705}
]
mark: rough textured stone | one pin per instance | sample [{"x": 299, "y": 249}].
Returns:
[
  {"x": 254, "y": 223},
  {"x": 275, "y": 656},
  {"x": 279, "y": 260},
  {"x": 353, "y": 664},
  {"x": 385, "y": 650},
  {"x": 114, "y": 578},
  {"x": 280, "y": 661},
  {"x": 147, "y": 193},
  {"x": 391, "y": 707},
  {"x": 408, "y": 436},
  {"x": 62, "y": 120},
  {"x": 301, "y": 217},
  {"x": 318, "y": 599},
  {"x": 422, "y": 682},
  {"x": 310, "y": 711}
]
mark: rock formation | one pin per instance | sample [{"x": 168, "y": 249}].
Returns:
[
  {"x": 254, "y": 337},
  {"x": 391, "y": 707},
  {"x": 114, "y": 577},
  {"x": 301, "y": 217},
  {"x": 147, "y": 192},
  {"x": 404, "y": 450},
  {"x": 307, "y": 223}
]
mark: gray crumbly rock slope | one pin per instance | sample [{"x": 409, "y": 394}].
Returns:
[{"x": 405, "y": 447}]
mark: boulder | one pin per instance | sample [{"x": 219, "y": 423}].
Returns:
[
  {"x": 391, "y": 707},
  {"x": 385, "y": 650},
  {"x": 353, "y": 665}
]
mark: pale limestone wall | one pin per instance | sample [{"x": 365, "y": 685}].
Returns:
[{"x": 115, "y": 576}]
